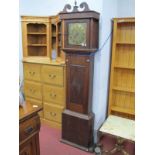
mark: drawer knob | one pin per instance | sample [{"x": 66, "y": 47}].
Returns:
[
  {"x": 53, "y": 113},
  {"x": 52, "y": 76},
  {"x": 28, "y": 130},
  {"x": 53, "y": 95},
  {"x": 66, "y": 60},
  {"x": 32, "y": 73}
]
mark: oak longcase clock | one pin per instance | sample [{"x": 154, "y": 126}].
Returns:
[{"x": 80, "y": 42}]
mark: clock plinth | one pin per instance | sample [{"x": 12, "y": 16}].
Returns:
[
  {"x": 78, "y": 129},
  {"x": 80, "y": 42}
]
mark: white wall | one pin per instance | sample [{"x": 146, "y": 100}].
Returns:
[
  {"x": 102, "y": 63},
  {"x": 108, "y": 9},
  {"x": 126, "y": 8}
]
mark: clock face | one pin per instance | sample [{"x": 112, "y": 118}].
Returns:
[{"x": 77, "y": 34}]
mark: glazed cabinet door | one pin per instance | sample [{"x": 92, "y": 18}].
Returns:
[{"x": 78, "y": 82}]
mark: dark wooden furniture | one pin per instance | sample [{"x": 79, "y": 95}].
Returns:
[
  {"x": 80, "y": 42},
  {"x": 29, "y": 126}
]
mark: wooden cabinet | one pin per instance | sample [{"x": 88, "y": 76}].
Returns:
[
  {"x": 29, "y": 126},
  {"x": 46, "y": 87},
  {"x": 122, "y": 76},
  {"x": 43, "y": 78}
]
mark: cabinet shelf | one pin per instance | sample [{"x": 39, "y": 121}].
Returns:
[
  {"x": 124, "y": 20},
  {"x": 37, "y": 44},
  {"x": 124, "y": 67},
  {"x": 130, "y": 90},
  {"x": 123, "y": 110},
  {"x": 124, "y": 43},
  {"x": 36, "y": 33}
]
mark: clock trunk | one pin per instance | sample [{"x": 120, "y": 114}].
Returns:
[{"x": 80, "y": 42}]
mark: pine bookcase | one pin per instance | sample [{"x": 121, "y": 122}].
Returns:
[
  {"x": 122, "y": 75},
  {"x": 44, "y": 78}
]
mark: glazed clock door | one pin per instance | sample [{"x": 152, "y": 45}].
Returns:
[
  {"x": 77, "y": 82},
  {"x": 77, "y": 33}
]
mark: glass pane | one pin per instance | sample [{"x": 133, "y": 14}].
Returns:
[{"x": 77, "y": 34}]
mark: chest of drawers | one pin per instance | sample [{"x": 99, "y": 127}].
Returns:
[{"x": 44, "y": 84}]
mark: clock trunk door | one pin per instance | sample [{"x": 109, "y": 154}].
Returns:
[{"x": 77, "y": 83}]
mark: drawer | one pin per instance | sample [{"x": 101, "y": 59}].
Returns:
[
  {"x": 32, "y": 72},
  {"x": 53, "y": 94},
  {"x": 52, "y": 75},
  {"x": 33, "y": 89},
  {"x": 53, "y": 112},
  {"x": 35, "y": 102},
  {"x": 28, "y": 127}
]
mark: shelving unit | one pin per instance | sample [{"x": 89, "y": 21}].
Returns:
[
  {"x": 42, "y": 35},
  {"x": 35, "y": 36},
  {"x": 122, "y": 76}
]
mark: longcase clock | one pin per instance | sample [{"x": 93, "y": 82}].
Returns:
[{"x": 80, "y": 42}]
